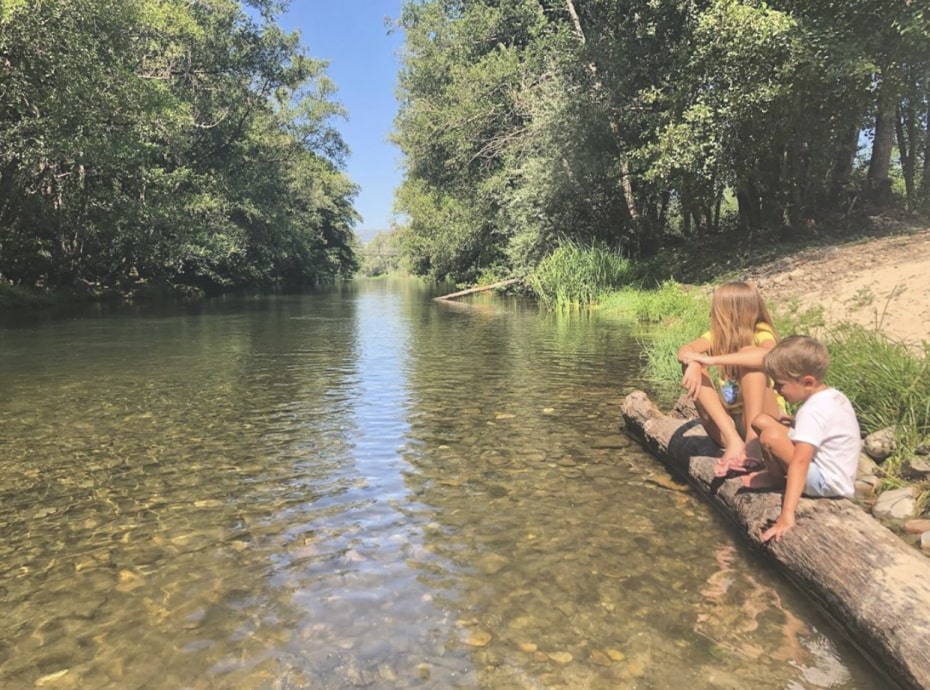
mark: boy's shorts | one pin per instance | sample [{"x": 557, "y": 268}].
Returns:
[{"x": 816, "y": 486}]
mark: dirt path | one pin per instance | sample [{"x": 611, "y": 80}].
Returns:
[{"x": 882, "y": 282}]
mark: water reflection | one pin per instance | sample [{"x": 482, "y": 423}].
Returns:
[{"x": 363, "y": 488}]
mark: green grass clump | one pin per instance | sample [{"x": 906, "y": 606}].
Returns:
[
  {"x": 578, "y": 275},
  {"x": 887, "y": 382}
]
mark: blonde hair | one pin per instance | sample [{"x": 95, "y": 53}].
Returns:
[
  {"x": 735, "y": 310},
  {"x": 795, "y": 357}
]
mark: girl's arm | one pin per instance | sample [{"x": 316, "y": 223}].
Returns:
[
  {"x": 749, "y": 357},
  {"x": 688, "y": 351},
  {"x": 693, "y": 376}
]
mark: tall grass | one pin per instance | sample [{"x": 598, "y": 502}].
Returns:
[
  {"x": 578, "y": 275},
  {"x": 887, "y": 382}
]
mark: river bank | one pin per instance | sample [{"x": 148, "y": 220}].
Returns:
[
  {"x": 872, "y": 274},
  {"x": 865, "y": 294}
]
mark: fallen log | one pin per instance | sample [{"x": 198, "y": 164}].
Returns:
[
  {"x": 480, "y": 288},
  {"x": 870, "y": 581}
]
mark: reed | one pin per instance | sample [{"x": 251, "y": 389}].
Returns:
[{"x": 578, "y": 275}]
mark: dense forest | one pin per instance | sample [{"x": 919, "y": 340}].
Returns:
[
  {"x": 526, "y": 124},
  {"x": 166, "y": 142}
]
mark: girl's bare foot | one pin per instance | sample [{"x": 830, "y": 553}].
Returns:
[{"x": 733, "y": 458}]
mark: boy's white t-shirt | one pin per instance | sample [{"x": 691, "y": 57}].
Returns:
[{"x": 828, "y": 422}]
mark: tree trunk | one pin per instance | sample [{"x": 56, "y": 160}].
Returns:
[
  {"x": 880, "y": 163},
  {"x": 925, "y": 180},
  {"x": 626, "y": 184},
  {"x": 480, "y": 288},
  {"x": 905, "y": 130},
  {"x": 843, "y": 161},
  {"x": 869, "y": 580},
  {"x": 747, "y": 199}
]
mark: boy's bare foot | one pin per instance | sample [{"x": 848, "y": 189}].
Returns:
[
  {"x": 760, "y": 480},
  {"x": 747, "y": 465}
]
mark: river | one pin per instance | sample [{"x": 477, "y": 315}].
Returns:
[{"x": 364, "y": 487}]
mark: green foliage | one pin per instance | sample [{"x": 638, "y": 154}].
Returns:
[
  {"x": 578, "y": 275},
  {"x": 157, "y": 141},
  {"x": 526, "y": 122},
  {"x": 12, "y": 297}
]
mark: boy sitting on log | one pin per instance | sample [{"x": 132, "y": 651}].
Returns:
[{"x": 819, "y": 453}]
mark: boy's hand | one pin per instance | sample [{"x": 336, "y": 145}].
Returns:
[{"x": 780, "y": 528}]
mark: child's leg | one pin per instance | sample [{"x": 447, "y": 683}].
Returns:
[
  {"x": 777, "y": 451},
  {"x": 718, "y": 423},
  {"x": 758, "y": 397}
]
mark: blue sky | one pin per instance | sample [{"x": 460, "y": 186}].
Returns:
[{"x": 363, "y": 62}]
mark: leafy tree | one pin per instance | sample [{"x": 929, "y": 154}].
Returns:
[
  {"x": 169, "y": 142},
  {"x": 526, "y": 124}
]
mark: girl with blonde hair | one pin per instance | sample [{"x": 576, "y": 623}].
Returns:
[{"x": 741, "y": 332}]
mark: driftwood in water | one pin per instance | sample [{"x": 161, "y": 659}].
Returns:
[
  {"x": 870, "y": 581},
  {"x": 480, "y": 288}
]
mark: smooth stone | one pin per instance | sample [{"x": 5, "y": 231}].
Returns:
[
  {"x": 867, "y": 466},
  {"x": 918, "y": 467},
  {"x": 866, "y": 485},
  {"x": 881, "y": 444},
  {"x": 491, "y": 564},
  {"x": 918, "y": 526},
  {"x": 478, "y": 638},
  {"x": 561, "y": 657},
  {"x": 50, "y": 678},
  {"x": 667, "y": 482},
  {"x": 896, "y": 504},
  {"x": 636, "y": 668},
  {"x": 613, "y": 441}
]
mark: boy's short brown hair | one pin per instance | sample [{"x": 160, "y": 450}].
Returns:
[{"x": 795, "y": 357}]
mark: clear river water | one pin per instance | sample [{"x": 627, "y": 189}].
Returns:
[{"x": 365, "y": 488}]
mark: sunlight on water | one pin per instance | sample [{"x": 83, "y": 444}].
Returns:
[{"x": 365, "y": 488}]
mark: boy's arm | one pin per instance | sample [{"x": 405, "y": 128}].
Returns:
[{"x": 794, "y": 487}]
